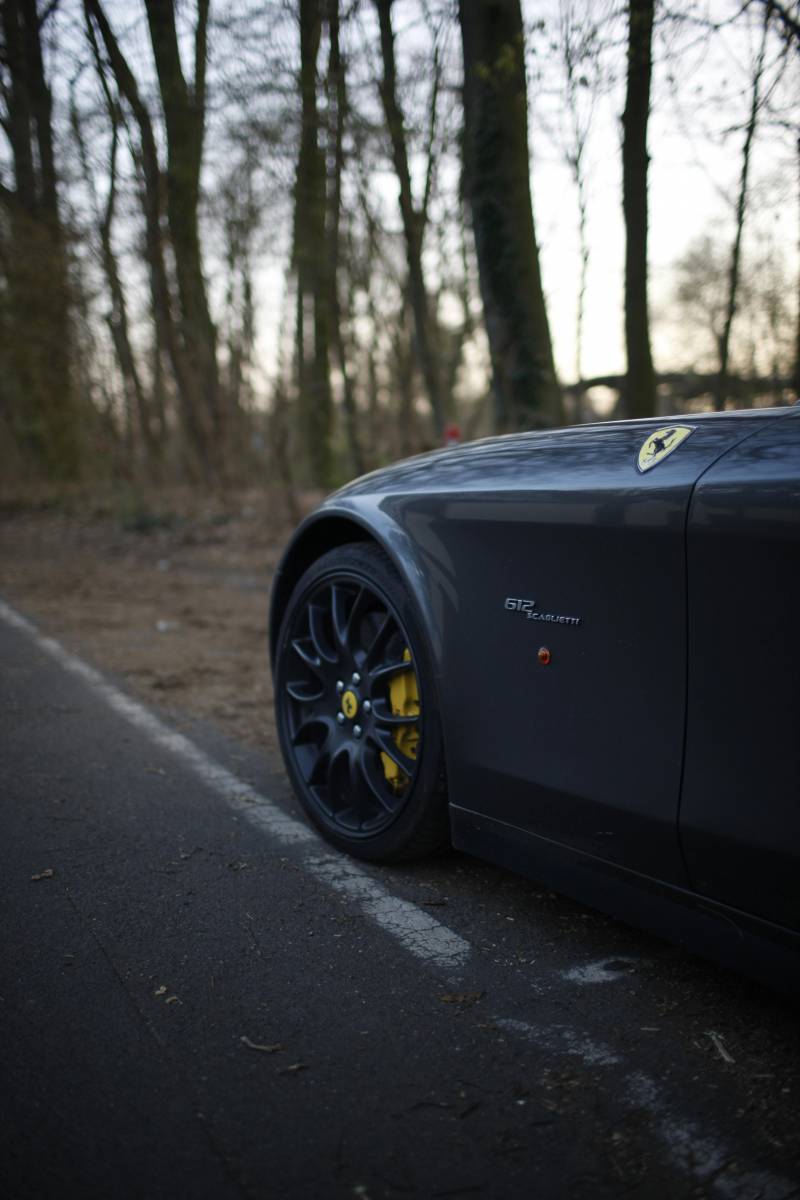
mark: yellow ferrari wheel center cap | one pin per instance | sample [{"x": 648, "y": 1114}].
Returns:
[{"x": 349, "y": 704}]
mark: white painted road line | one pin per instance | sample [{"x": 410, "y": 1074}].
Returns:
[
  {"x": 697, "y": 1153},
  {"x": 415, "y": 929},
  {"x": 560, "y": 1039},
  {"x": 694, "y": 1151}
]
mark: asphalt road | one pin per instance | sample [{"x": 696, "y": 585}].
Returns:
[{"x": 200, "y": 999}]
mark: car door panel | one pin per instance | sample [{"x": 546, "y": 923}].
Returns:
[
  {"x": 740, "y": 808},
  {"x": 587, "y": 749}
]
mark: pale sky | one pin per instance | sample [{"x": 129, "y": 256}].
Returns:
[
  {"x": 693, "y": 181},
  {"x": 693, "y": 175}
]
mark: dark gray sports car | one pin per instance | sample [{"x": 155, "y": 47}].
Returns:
[{"x": 576, "y": 653}]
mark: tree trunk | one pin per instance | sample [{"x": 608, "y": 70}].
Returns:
[
  {"x": 37, "y": 363},
  {"x": 404, "y": 359},
  {"x": 167, "y": 337},
  {"x": 576, "y": 37},
  {"x": 240, "y": 331},
  {"x": 497, "y": 187},
  {"x": 797, "y": 290},
  {"x": 639, "y": 398},
  {"x": 337, "y": 85},
  {"x": 136, "y": 401},
  {"x": 309, "y": 261},
  {"x": 721, "y": 390},
  {"x": 184, "y": 116},
  {"x": 136, "y": 408},
  {"x": 424, "y": 325}
]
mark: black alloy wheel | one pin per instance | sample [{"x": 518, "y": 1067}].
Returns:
[{"x": 357, "y": 719}]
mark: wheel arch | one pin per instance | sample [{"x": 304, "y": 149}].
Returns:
[{"x": 324, "y": 531}]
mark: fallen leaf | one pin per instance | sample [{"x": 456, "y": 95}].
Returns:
[
  {"x": 172, "y": 1000},
  {"x": 271, "y": 1048},
  {"x": 293, "y": 1069},
  {"x": 48, "y": 873},
  {"x": 160, "y": 990}
]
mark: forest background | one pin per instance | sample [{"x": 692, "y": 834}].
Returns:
[{"x": 288, "y": 241}]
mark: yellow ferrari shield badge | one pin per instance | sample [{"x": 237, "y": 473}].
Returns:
[
  {"x": 661, "y": 444},
  {"x": 349, "y": 704}
]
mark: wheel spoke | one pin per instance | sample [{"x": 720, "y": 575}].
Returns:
[
  {"x": 387, "y": 669},
  {"x": 359, "y": 608},
  {"x": 318, "y": 775},
  {"x": 376, "y": 791},
  {"x": 357, "y": 793},
  {"x": 312, "y": 756},
  {"x": 378, "y": 643},
  {"x": 338, "y": 775},
  {"x": 305, "y": 649},
  {"x": 384, "y": 716},
  {"x": 387, "y": 745},
  {"x": 305, "y": 692},
  {"x": 316, "y": 628},
  {"x": 339, "y": 615}
]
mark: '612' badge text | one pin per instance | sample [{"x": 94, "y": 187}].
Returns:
[{"x": 531, "y": 612}]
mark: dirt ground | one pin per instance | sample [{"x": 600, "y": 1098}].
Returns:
[{"x": 169, "y": 593}]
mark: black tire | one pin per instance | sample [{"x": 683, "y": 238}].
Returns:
[{"x": 346, "y": 635}]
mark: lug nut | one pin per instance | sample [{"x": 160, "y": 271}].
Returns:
[
  {"x": 367, "y": 706},
  {"x": 357, "y": 730},
  {"x": 339, "y": 686},
  {"x": 356, "y": 677},
  {"x": 340, "y": 718}
]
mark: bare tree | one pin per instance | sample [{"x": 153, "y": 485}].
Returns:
[
  {"x": 497, "y": 186},
  {"x": 640, "y": 389},
  {"x": 309, "y": 259},
  {"x": 193, "y": 414},
  {"x": 184, "y": 108},
  {"x": 581, "y": 54},
  {"x": 720, "y": 394},
  {"x": 701, "y": 287},
  {"x": 337, "y": 107},
  {"x": 37, "y": 376},
  {"x": 239, "y": 219},
  {"x": 137, "y": 416},
  {"x": 788, "y": 20},
  {"x": 797, "y": 289},
  {"x": 413, "y": 222}
]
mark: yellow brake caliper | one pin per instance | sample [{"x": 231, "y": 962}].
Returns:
[{"x": 404, "y": 699}]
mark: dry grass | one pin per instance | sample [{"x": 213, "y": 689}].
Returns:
[{"x": 169, "y": 593}]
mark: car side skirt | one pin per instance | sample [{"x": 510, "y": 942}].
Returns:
[{"x": 766, "y": 952}]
